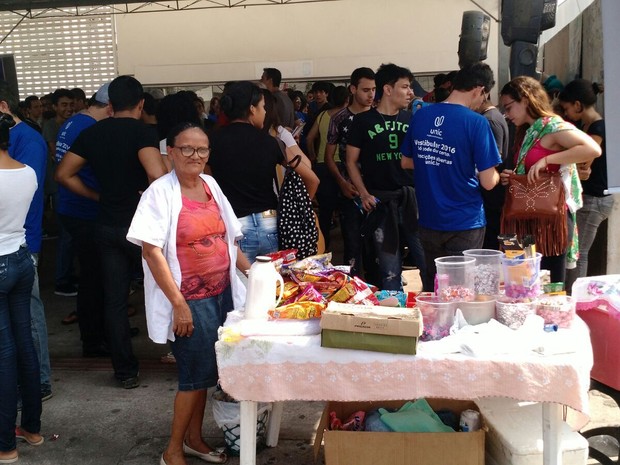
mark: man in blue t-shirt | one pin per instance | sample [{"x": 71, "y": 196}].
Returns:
[
  {"x": 77, "y": 214},
  {"x": 453, "y": 153}
]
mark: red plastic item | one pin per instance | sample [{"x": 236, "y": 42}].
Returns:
[{"x": 604, "y": 331}]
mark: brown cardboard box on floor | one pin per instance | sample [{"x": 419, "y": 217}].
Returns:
[{"x": 370, "y": 448}]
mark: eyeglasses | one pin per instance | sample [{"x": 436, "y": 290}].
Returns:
[{"x": 203, "y": 152}]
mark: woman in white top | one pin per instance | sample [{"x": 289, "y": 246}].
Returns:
[{"x": 18, "y": 359}]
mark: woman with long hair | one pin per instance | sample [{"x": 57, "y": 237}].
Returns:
[
  {"x": 243, "y": 162},
  {"x": 544, "y": 142},
  {"x": 18, "y": 358},
  {"x": 578, "y": 101}
]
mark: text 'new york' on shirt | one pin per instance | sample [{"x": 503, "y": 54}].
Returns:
[{"x": 379, "y": 138}]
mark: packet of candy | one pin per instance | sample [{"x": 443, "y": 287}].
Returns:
[
  {"x": 509, "y": 244},
  {"x": 297, "y": 311},
  {"x": 282, "y": 257},
  {"x": 355, "y": 422},
  {"x": 345, "y": 293},
  {"x": 291, "y": 289},
  {"x": 391, "y": 298},
  {"x": 363, "y": 293},
  {"x": 308, "y": 294},
  {"x": 314, "y": 262},
  {"x": 411, "y": 299}
]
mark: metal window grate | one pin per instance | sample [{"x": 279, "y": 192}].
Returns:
[{"x": 59, "y": 52}]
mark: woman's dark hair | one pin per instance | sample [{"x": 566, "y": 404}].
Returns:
[
  {"x": 174, "y": 109},
  {"x": 237, "y": 99},
  {"x": 179, "y": 128},
  {"x": 272, "y": 120},
  {"x": 6, "y": 123},
  {"x": 580, "y": 90},
  {"x": 302, "y": 97}
]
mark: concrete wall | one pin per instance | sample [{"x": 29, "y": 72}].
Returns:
[{"x": 305, "y": 41}]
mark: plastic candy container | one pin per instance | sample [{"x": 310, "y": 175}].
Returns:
[
  {"x": 513, "y": 312},
  {"x": 522, "y": 277},
  {"x": 559, "y": 310},
  {"x": 487, "y": 270},
  {"x": 438, "y": 317},
  {"x": 455, "y": 278}
]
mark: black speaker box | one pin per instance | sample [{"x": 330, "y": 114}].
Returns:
[
  {"x": 523, "y": 56},
  {"x": 523, "y": 20},
  {"x": 8, "y": 73},
  {"x": 474, "y": 38}
]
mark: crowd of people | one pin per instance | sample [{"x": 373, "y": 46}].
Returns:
[{"x": 191, "y": 190}]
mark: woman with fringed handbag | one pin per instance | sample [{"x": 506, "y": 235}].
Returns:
[{"x": 543, "y": 190}]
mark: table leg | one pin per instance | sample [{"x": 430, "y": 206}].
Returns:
[
  {"x": 247, "y": 453},
  {"x": 552, "y": 423},
  {"x": 275, "y": 419}
]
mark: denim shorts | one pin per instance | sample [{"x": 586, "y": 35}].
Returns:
[
  {"x": 195, "y": 355},
  {"x": 260, "y": 235}
]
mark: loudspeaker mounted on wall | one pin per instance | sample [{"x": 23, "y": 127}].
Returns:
[
  {"x": 8, "y": 73},
  {"x": 474, "y": 38},
  {"x": 525, "y": 20},
  {"x": 523, "y": 57}
]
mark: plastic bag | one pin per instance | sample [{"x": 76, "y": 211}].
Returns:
[{"x": 228, "y": 414}]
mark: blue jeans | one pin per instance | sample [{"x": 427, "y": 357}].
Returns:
[
  {"x": 260, "y": 235},
  {"x": 118, "y": 260},
  {"x": 39, "y": 328},
  {"x": 195, "y": 355},
  {"x": 595, "y": 210},
  {"x": 390, "y": 264},
  {"x": 445, "y": 243},
  {"x": 18, "y": 358}
]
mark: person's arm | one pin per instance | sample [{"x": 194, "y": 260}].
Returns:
[
  {"x": 406, "y": 163},
  {"x": 304, "y": 169},
  {"x": 67, "y": 175},
  {"x": 488, "y": 178},
  {"x": 182, "y": 315},
  {"x": 152, "y": 162},
  {"x": 314, "y": 131},
  {"x": 243, "y": 264},
  {"x": 578, "y": 148},
  {"x": 347, "y": 188},
  {"x": 353, "y": 155}
]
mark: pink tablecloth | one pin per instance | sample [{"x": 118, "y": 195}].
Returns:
[{"x": 283, "y": 368}]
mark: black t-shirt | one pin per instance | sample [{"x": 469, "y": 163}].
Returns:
[
  {"x": 494, "y": 199},
  {"x": 243, "y": 162},
  {"x": 379, "y": 138},
  {"x": 596, "y": 184},
  {"x": 111, "y": 147}
]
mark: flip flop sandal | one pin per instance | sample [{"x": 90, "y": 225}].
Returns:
[{"x": 70, "y": 319}]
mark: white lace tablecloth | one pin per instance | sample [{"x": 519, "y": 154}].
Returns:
[{"x": 284, "y": 368}]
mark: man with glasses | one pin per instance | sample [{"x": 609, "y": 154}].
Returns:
[
  {"x": 124, "y": 156},
  {"x": 453, "y": 153}
]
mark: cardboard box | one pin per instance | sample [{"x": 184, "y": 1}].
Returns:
[
  {"x": 370, "y": 448},
  {"x": 381, "y": 329}
]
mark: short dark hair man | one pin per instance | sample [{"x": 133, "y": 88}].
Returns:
[
  {"x": 34, "y": 110},
  {"x": 125, "y": 158},
  {"x": 385, "y": 188},
  {"x": 362, "y": 89},
  {"x": 454, "y": 153},
  {"x": 272, "y": 78}
]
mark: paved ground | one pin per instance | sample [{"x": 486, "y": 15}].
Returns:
[{"x": 92, "y": 421}]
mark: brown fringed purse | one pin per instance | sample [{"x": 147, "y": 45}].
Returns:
[{"x": 538, "y": 209}]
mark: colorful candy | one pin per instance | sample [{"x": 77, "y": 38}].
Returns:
[
  {"x": 455, "y": 293},
  {"x": 559, "y": 310},
  {"x": 486, "y": 279},
  {"x": 513, "y": 313},
  {"x": 519, "y": 291}
]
